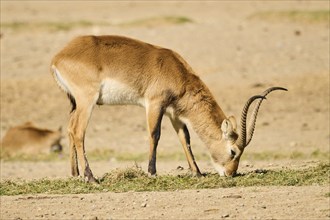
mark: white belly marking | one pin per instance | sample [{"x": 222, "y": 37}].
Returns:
[{"x": 114, "y": 92}]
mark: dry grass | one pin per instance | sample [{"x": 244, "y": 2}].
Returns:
[{"x": 135, "y": 179}]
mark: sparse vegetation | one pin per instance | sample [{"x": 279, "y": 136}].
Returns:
[
  {"x": 294, "y": 155},
  {"x": 101, "y": 154},
  {"x": 317, "y": 16},
  {"x": 135, "y": 179},
  {"x": 157, "y": 21},
  {"x": 66, "y": 26},
  {"x": 51, "y": 26},
  {"x": 4, "y": 156}
]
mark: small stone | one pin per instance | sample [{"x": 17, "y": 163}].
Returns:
[
  {"x": 225, "y": 216},
  {"x": 297, "y": 32},
  {"x": 143, "y": 205},
  {"x": 260, "y": 171},
  {"x": 232, "y": 196},
  {"x": 265, "y": 123}
]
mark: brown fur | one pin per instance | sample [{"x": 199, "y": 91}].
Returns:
[
  {"x": 29, "y": 139},
  {"x": 158, "y": 76}
]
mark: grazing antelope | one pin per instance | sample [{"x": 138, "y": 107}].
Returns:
[
  {"x": 29, "y": 139},
  {"x": 117, "y": 70}
]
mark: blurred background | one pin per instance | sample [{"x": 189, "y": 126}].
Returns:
[{"x": 238, "y": 48}]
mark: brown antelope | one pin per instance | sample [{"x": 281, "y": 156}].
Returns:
[
  {"x": 117, "y": 70},
  {"x": 29, "y": 139}
]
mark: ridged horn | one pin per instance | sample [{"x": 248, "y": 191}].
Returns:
[
  {"x": 241, "y": 142},
  {"x": 254, "y": 114}
]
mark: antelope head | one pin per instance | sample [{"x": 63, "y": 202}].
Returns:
[{"x": 226, "y": 158}]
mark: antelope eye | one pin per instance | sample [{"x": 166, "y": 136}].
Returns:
[{"x": 233, "y": 153}]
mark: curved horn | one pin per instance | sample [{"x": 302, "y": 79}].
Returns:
[
  {"x": 241, "y": 142},
  {"x": 253, "y": 119}
]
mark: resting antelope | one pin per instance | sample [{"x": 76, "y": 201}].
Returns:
[
  {"x": 117, "y": 70},
  {"x": 29, "y": 139}
]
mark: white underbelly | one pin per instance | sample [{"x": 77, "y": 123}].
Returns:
[{"x": 113, "y": 92}]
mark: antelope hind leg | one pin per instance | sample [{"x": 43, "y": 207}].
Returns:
[
  {"x": 77, "y": 129},
  {"x": 73, "y": 157}
]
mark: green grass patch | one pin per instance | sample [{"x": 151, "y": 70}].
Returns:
[
  {"x": 157, "y": 21},
  {"x": 312, "y": 17},
  {"x": 69, "y": 25},
  {"x": 135, "y": 179}
]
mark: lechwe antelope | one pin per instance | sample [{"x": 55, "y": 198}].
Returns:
[
  {"x": 117, "y": 70},
  {"x": 30, "y": 139}
]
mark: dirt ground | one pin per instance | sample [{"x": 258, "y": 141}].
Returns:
[{"x": 235, "y": 55}]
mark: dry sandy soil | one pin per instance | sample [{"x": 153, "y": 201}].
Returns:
[{"x": 235, "y": 55}]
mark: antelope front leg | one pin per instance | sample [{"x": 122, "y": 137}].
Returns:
[
  {"x": 183, "y": 134},
  {"x": 154, "y": 118}
]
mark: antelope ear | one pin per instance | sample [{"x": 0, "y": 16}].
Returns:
[
  {"x": 233, "y": 121},
  {"x": 226, "y": 127}
]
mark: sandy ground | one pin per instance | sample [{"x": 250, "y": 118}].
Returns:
[
  {"x": 240, "y": 203},
  {"x": 236, "y": 56}
]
